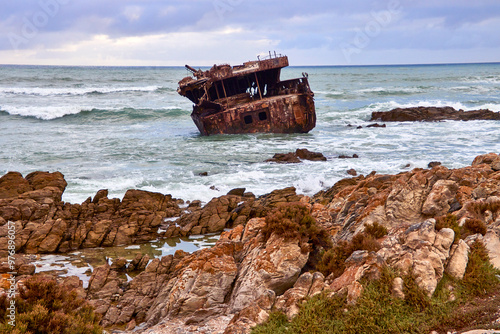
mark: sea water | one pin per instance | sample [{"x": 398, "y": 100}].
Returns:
[{"x": 120, "y": 128}]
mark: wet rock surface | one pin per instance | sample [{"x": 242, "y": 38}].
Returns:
[{"x": 432, "y": 114}]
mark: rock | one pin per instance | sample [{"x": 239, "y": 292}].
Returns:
[
  {"x": 458, "y": 260},
  {"x": 491, "y": 159},
  {"x": 285, "y": 158},
  {"x": 40, "y": 180},
  {"x": 44, "y": 224},
  {"x": 213, "y": 217},
  {"x": 352, "y": 172},
  {"x": 354, "y": 156},
  {"x": 397, "y": 288},
  {"x": 433, "y": 164},
  {"x": 203, "y": 174},
  {"x": 376, "y": 125},
  {"x": 289, "y": 302},
  {"x": 297, "y": 156},
  {"x": 305, "y": 154},
  {"x": 237, "y": 192},
  {"x": 103, "y": 193},
  {"x": 13, "y": 184},
  {"x": 431, "y": 114},
  {"x": 119, "y": 264},
  {"x": 273, "y": 266},
  {"x": 439, "y": 200},
  {"x": 360, "y": 265},
  {"x": 492, "y": 243}
]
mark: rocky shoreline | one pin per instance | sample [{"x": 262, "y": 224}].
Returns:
[{"x": 255, "y": 267}]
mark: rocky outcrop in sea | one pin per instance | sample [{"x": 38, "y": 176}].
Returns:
[
  {"x": 256, "y": 267},
  {"x": 433, "y": 114}
]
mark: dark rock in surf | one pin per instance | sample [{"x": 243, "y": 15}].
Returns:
[
  {"x": 297, "y": 156},
  {"x": 432, "y": 114},
  {"x": 433, "y": 164}
]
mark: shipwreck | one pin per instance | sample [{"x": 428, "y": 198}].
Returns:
[{"x": 249, "y": 98}]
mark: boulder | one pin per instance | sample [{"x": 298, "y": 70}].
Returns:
[{"x": 13, "y": 184}]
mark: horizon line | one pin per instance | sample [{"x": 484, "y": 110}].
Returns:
[{"x": 208, "y": 66}]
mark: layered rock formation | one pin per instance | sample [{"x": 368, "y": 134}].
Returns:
[
  {"x": 432, "y": 114},
  {"x": 45, "y": 224},
  {"x": 252, "y": 271}
]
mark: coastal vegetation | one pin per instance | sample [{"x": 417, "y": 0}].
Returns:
[{"x": 456, "y": 304}]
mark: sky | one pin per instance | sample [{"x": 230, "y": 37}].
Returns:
[{"x": 207, "y": 32}]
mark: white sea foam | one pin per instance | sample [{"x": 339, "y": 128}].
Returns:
[
  {"x": 55, "y": 91},
  {"x": 388, "y": 90},
  {"x": 43, "y": 112}
]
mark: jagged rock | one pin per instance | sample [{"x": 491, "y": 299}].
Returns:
[
  {"x": 424, "y": 253},
  {"x": 439, "y": 200},
  {"x": 213, "y": 217},
  {"x": 237, "y": 192},
  {"x": 44, "y": 224},
  {"x": 139, "y": 263},
  {"x": 256, "y": 313},
  {"x": 119, "y": 264},
  {"x": 361, "y": 264},
  {"x": 308, "y": 284},
  {"x": 273, "y": 266},
  {"x": 431, "y": 114},
  {"x": 492, "y": 243},
  {"x": 491, "y": 159}
]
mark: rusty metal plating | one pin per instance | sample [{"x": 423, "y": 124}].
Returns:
[{"x": 249, "y": 98}]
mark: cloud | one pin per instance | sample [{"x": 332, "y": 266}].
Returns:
[{"x": 204, "y": 31}]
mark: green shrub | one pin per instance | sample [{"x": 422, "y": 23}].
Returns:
[
  {"x": 480, "y": 276},
  {"x": 376, "y": 311},
  {"x": 43, "y": 306}
]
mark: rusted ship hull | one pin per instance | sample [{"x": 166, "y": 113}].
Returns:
[
  {"x": 249, "y": 98},
  {"x": 280, "y": 114}
]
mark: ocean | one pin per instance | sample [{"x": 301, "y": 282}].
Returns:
[{"x": 120, "y": 128}]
